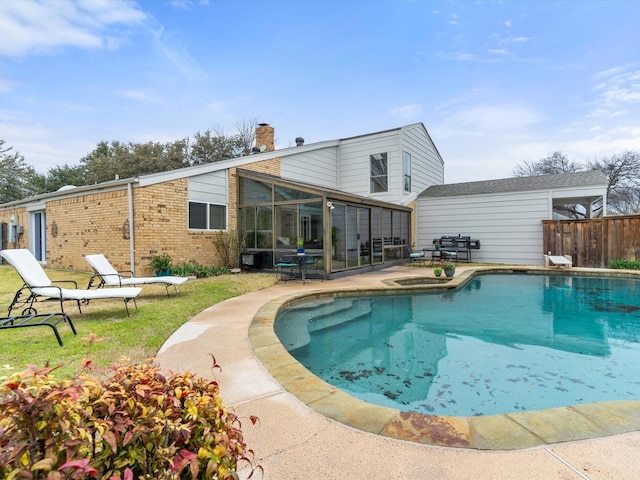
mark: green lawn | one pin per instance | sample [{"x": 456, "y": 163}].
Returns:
[{"x": 137, "y": 337}]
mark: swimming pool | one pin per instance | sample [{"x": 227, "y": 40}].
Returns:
[{"x": 501, "y": 343}]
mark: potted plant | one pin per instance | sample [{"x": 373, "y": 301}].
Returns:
[
  {"x": 161, "y": 264},
  {"x": 437, "y": 271},
  {"x": 449, "y": 269},
  {"x": 300, "y": 244}
]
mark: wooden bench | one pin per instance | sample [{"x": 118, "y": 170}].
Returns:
[{"x": 50, "y": 320}]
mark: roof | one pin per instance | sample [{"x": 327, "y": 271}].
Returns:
[{"x": 519, "y": 184}]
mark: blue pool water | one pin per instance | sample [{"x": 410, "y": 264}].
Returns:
[{"x": 502, "y": 343}]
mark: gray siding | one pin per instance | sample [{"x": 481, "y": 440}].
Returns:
[
  {"x": 318, "y": 167},
  {"x": 427, "y": 168},
  {"x": 508, "y": 225},
  {"x": 353, "y": 170},
  {"x": 210, "y": 187}
]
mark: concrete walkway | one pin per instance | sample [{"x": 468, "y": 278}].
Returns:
[{"x": 293, "y": 441}]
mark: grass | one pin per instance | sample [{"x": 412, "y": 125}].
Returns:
[{"x": 137, "y": 337}]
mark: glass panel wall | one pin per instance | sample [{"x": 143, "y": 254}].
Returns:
[
  {"x": 363, "y": 236},
  {"x": 352, "y": 237},
  {"x": 252, "y": 191},
  {"x": 248, "y": 227},
  {"x": 264, "y": 222},
  {"x": 338, "y": 237},
  {"x": 311, "y": 225},
  {"x": 376, "y": 234},
  {"x": 359, "y": 235},
  {"x": 286, "y": 194},
  {"x": 286, "y": 221}
]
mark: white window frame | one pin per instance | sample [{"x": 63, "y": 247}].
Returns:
[
  {"x": 385, "y": 176},
  {"x": 208, "y": 216},
  {"x": 37, "y": 221},
  {"x": 406, "y": 170}
]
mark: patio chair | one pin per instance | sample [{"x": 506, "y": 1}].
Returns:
[
  {"x": 286, "y": 263},
  {"x": 416, "y": 256},
  {"x": 558, "y": 261},
  {"x": 105, "y": 274},
  {"x": 38, "y": 287},
  {"x": 44, "y": 320}
]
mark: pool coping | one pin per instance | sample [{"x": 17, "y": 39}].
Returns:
[{"x": 511, "y": 431}]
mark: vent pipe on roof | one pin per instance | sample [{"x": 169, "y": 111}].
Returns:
[{"x": 299, "y": 141}]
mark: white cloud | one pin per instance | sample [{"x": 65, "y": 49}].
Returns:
[
  {"x": 6, "y": 86},
  {"x": 407, "y": 112},
  {"x": 140, "y": 96},
  {"x": 483, "y": 120},
  {"x": 177, "y": 55},
  {"x": 40, "y": 26},
  {"x": 617, "y": 86}
]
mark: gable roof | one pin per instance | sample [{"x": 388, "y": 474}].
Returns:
[{"x": 519, "y": 184}]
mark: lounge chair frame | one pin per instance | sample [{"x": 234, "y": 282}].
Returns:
[
  {"x": 106, "y": 275},
  {"x": 51, "y": 320},
  {"x": 29, "y": 269}
]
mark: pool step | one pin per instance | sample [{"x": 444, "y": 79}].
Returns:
[
  {"x": 328, "y": 319},
  {"x": 310, "y": 318}
]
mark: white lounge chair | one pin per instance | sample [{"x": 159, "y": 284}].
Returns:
[
  {"x": 109, "y": 276},
  {"x": 38, "y": 285},
  {"x": 557, "y": 261}
]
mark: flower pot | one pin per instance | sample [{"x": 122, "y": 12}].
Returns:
[
  {"x": 450, "y": 272},
  {"x": 163, "y": 273},
  {"x": 300, "y": 251}
]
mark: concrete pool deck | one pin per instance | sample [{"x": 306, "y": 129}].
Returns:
[{"x": 298, "y": 436}]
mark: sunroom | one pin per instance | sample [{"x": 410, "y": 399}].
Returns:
[{"x": 340, "y": 233}]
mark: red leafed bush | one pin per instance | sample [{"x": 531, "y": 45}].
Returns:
[{"x": 138, "y": 424}]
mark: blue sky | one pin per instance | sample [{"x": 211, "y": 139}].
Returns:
[{"x": 496, "y": 83}]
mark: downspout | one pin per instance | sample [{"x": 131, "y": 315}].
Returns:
[{"x": 132, "y": 250}]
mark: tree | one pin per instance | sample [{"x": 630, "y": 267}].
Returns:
[
  {"x": 113, "y": 160},
  {"x": 557, "y": 162},
  {"x": 210, "y": 147},
  {"x": 120, "y": 160},
  {"x": 18, "y": 180},
  {"x": 622, "y": 170},
  {"x": 213, "y": 146},
  {"x": 58, "y": 177}
]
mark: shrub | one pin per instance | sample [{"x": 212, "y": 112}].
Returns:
[
  {"x": 199, "y": 271},
  {"x": 227, "y": 245},
  {"x": 160, "y": 262},
  {"x": 624, "y": 264},
  {"x": 137, "y": 424}
]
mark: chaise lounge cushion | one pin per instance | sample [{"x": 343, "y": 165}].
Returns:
[
  {"x": 112, "y": 277},
  {"x": 39, "y": 283}
]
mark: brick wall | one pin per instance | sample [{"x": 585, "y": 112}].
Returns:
[
  {"x": 265, "y": 136},
  {"x": 86, "y": 224},
  {"x": 99, "y": 223},
  {"x": 23, "y": 220}
]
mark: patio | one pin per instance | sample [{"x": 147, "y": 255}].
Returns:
[{"x": 292, "y": 441}]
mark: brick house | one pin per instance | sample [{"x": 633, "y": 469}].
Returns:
[{"x": 350, "y": 200}]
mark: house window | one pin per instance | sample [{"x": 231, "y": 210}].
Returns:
[
  {"x": 406, "y": 165},
  {"x": 379, "y": 178},
  {"x": 207, "y": 216}
]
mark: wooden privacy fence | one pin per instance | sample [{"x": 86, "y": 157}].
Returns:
[{"x": 593, "y": 242}]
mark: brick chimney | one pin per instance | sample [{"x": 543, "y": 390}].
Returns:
[{"x": 264, "y": 136}]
